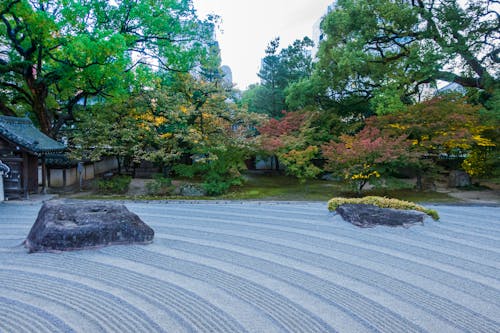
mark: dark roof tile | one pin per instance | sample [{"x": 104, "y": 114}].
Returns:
[{"x": 22, "y": 132}]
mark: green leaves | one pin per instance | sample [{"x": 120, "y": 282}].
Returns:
[
  {"x": 377, "y": 46},
  {"x": 73, "y": 49},
  {"x": 279, "y": 70}
]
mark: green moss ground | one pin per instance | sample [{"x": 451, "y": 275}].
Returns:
[{"x": 283, "y": 188}]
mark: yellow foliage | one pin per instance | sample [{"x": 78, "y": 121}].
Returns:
[
  {"x": 360, "y": 176},
  {"x": 484, "y": 142},
  {"x": 399, "y": 126},
  {"x": 155, "y": 120}
]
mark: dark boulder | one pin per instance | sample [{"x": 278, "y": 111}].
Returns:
[
  {"x": 459, "y": 178},
  {"x": 367, "y": 216},
  {"x": 63, "y": 226}
]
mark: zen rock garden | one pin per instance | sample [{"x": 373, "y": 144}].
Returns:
[{"x": 64, "y": 225}]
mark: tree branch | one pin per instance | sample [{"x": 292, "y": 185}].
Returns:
[{"x": 5, "y": 110}]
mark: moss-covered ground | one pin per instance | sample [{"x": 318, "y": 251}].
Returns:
[{"x": 283, "y": 188}]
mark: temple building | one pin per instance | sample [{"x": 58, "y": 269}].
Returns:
[{"x": 23, "y": 149}]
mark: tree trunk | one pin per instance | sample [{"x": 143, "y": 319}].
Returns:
[
  {"x": 419, "y": 185},
  {"x": 119, "y": 164},
  {"x": 39, "y": 92},
  {"x": 276, "y": 163}
]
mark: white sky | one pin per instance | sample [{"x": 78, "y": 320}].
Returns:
[{"x": 249, "y": 25}]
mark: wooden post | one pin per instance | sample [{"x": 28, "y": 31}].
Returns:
[
  {"x": 25, "y": 175},
  {"x": 44, "y": 176}
]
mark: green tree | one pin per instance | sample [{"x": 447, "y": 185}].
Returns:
[
  {"x": 270, "y": 99},
  {"x": 445, "y": 126},
  {"x": 216, "y": 134},
  {"x": 56, "y": 53},
  {"x": 278, "y": 71},
  {"x": 299, "y": 163},
  {"x": 392, "y": 48}
]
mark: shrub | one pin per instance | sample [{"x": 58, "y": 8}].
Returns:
[
  {"x": 115, "y": 185},
  {"x": 219, "y": 169},
  {"x": 299, "y": 163},
  {"x": 382, "y": 202},
  {"x": 366, "y": 155},
  {"x": 160, "y": 186}
]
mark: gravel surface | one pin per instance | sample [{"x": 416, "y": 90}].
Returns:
[{"x": 259, "y": 267}]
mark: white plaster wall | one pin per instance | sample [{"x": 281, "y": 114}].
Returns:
[
  {"x": 56, "y": 177},
  {"x": 107, "y": 164},
  {"x": 71, "y": 176},
  {"x": 89, "y": 172}
]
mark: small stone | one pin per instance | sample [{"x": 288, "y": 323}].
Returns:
[
  {"x": 191, "y": 190},
  {"x": 63, "y": 226},
  {"x": 367, "y": 216}
]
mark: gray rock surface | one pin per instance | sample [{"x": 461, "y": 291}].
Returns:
[
  {"x": 191, "y": 190},
  {"x": 62, "y": 226},
  {"x": 367, "y": 216},
  {"x": 459, "y": 178}
]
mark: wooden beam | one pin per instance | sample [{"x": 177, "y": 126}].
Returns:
[{"x": 44, "y": 176}]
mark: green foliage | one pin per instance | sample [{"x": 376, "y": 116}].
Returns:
[
  {"x": 160, "y": 186},
  {"x": 382, "y": 202},
  {"x": 299, "y": 163},
  {"x": 445, "y": 126},
  {"x": 216, "y": 134},
  {"x": 114, "y": 185},
  {"x": 219, "y": 168},
  {"x": 58, "y": 53},
  {"x": 392, "y": 52},
  {"x": 279, "y": 69},
  {"x": 290, "y": 139}
]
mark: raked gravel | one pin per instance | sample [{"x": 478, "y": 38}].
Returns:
[{"x": 258, "y": 267}]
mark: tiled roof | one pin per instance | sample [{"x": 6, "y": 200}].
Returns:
[
  {"x": 59, "y": 160},
  {"x": 22, "y": 132}
]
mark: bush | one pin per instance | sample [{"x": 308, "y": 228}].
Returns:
[
  {"x": 115, "y": 185},
  {"x": 216, "y": 188},
  {"x": 160, "y": 186},
  {"x": 382, "y": 202},
  {"x": 219, "y": 170}
]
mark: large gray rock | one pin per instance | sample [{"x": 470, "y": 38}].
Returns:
[
  {"x": 367, "y": 216},
  {"x": 63, "y": 226},
  {"x": 459, "y": 178}
]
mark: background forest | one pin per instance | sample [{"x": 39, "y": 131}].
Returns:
[{"x": 396, "y": 88}]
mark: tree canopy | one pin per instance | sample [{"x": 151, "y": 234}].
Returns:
[
  {"x": 54, "y": 54},
  {"x": 279, "y": 69},
  {"x": 392, "y": 50}
]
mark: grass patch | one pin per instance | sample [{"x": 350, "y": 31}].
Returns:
[
  {"x": 283, "y": 188},
  {"x": 114, "y": 185}
]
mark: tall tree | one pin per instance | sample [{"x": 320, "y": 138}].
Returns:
[
  {"x": 56, "y": 53},
  {"x": 278, "y": 71},
  {"x": 271, "y": 98},
  {"x": 394, "y": 48}
]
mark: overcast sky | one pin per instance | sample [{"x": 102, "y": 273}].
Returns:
[{"x": 249, "y": 25}]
